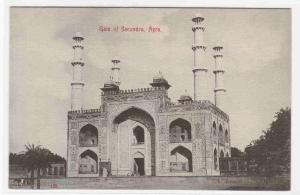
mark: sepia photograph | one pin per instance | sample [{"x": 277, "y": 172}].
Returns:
[{"x": 149, "y": 98}]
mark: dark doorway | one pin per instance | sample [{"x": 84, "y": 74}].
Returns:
[{"x": 139, "y": 168}]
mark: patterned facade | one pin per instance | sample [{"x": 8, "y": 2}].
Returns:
[
  {"x": 141, "y": 131},
  {"x": 151, "y": 109}
]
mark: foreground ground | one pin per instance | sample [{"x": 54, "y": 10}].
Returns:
[{"x": 170, "y": 183}]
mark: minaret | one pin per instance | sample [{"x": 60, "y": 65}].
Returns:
[
  {"x": 219, "y": 72},
  {"x": 115, "y": 71},
  {"x": 201, "y": 89},
  {"x": 77, "y": 83}
]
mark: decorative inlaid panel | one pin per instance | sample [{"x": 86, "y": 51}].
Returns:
[
  {"x": 73, "y": 153},
  {"x": 162, "y": 165},
  {"x": 74, "y": 137},
  {"x": 163, "y": 130},
  {"x": 163, "y": 150},
  {"x": 197, "y": 130},
  {"x": 74, "y": 125},
  {"x": 72, "y": 166}
]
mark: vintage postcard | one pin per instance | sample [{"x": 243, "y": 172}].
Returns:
[{"x": 149, "y": 98}]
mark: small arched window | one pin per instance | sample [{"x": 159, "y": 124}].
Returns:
[
  {"x": 88, "y": 136},
  {"x": 61, "y": 171},
  {"x": 226, "y": 136},
  {"x": 55, "y": 171},
  {"x": 215, "y": 159},
  {"x": 222, "y": 154},
  {"x": 180, "y": 131},
  {"x": 221, "y": 136},
  {"x": 214, "y": 129},
  {"x": 139, "y": 135},
  {"x": 50, "y": 171}
]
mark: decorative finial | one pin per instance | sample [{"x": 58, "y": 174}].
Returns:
[
  {"x": 218, "y": 47},
  {"x": 160, "y": 73},
  {"x": 78, "y": 36},
  {"x": 198, "y": 18},
  {"x": 115, "y": 60}
]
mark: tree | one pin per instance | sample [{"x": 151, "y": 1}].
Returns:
[
  {"x": 43, "y": 162},
  {"x": 235, "y": 152},
  {"x": 15, "y": 158},
  {"x": 271, "y": 152},
  {"x": 35, "y": 158}
]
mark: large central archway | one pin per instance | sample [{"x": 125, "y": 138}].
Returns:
[{"x": 143, "y": 117}]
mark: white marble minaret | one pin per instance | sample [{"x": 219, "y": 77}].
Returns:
[
  {"x": 77, "y": 82},
  {"x": 201, "y": 89},
  {"x": 116, "y": 71},
  {"x": 219, "y": 73}
]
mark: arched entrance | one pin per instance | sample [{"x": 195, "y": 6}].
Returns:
[
  {"x": 139, "y": 135},
  {"x": 180, "y": 131},
  {"x": 214, "y": 129},
  {"x": 222, "y": 154},
  {"x": 55, "y": 171},
  {"x": 215, "y": 159},
  {"x": 226, "y": 136},
  {"x": 221, "y": 136},
  {"x": 181, "y": 160},
  {"x": 88, "y": 136},
  {"x": 61, "y": 171},
  {"x": 145, "y": 119},
  {"x": 88, "y": 162},
  {"x": 139, "y": 164}
]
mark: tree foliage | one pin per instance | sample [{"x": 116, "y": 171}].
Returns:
[
  {"x": 271, "y": 152},
  {"x": 235, "y": 152},
  {"x": 35, "y": 158},
  {"x": 15, "y": 158}
]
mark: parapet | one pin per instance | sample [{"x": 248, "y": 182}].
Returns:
[
  {"x": 88, "y": 113},
  {"x": 195, "y": 105},
  {"x": 134, "y": 94},
  {"x": 129, "y": 91}
]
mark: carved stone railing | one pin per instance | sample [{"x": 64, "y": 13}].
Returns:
[
  {"x": 85, "y": 113},
  {"x": 201, "y": 102},
  {"x": 97, "y": 110},
  {"x": 88, "y": 145},
  {"x": 150, "y": 93},
  {"x": 180, "y": 141},
  {"x": 129, "y": 91},
  {"x": 137, "y": 143}
]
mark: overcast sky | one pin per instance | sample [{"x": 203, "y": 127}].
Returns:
[{"x": 257, "y": 47}]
